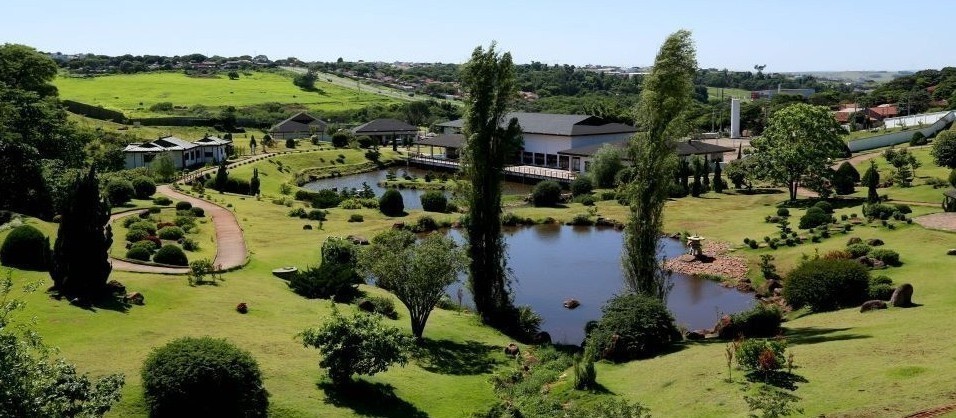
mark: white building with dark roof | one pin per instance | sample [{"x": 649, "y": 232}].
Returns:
[
  {"x": 300, "y": 125},
  {"x": 185, "y": 154},
  {"x": 547, "y": 135}
]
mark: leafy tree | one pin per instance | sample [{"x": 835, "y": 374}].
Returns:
[
  {"x": 306, "y": 81},
  {"x": 944, "y": 149},
  {"x": 165, "y": 167},
  {"x": 120, "y": 191},
  {"x": 632, "y": 326},
  {"x": 254, "y": 182},
  {"x": 391, "y": 203},
  {"x": 799, "y": 142},
  {"x": 80, "y": 264},
  {"x": 741, "y": 173},
  {"x": 35, "y": 383},
  {"x": 871, "y": 179},
  {"x": 488, "y": 81},
  {"x": 144, "y": 187},
  {"x": 23, "y": 68},
  {"x": 605, "y": 165},
  {"x": 267, "y": 141},
  {"x": 905, "y": 164},
  {"x": 252, "y": 144},
  {"x": 665, "y": 98},
  {"x": 26, "y": 192},
  {"x": 845, "y": 178},
  {"x": 417, "y": 272},
  {"x": 582, "y": 185},
  {"x": 546, "y": 193},
  {"x": 360, "y": 344},
  {"x": 233, "y": 75}
]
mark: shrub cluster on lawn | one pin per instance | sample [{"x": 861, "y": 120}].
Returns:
[
  {"x": 144, "y": 187},
  {"x": 391, "y": 203},
  {"x": 25, "y": 247},
  {"x": 434, "y": 201},
  {"x": 546, "y": 193},
  {"x": 632, "y": 327},
  {"x": 171, "y": 254},
  {"x": 825, "y": 285}
]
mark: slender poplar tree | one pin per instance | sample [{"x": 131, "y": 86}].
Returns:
[
  {"x": 666, "y": 95},
  {"x": 489, "y": 83},
  {"x": 80, "y": 265}
]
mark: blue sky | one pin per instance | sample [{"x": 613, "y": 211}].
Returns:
[{"x": 786, "y": 36}]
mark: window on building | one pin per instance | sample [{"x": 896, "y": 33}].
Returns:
[
  {"x": 527, "y": 157},
  {"x": 538, "y": 159},
  {"x": 552, "y": 160}
]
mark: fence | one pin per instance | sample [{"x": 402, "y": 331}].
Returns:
[{"x": 902, "y": 137}]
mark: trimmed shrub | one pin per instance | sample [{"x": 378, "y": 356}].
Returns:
[
  {"x": 813, "y": 218},
  {"x": 190, "y": 245},
  {"x": 145, "y": 244},
  {"x": 889, "y": 257},
  {"x": 825, "y": 285},
  {"x": 170, "y": 233},
  {"x": 546, "y": 193},
  {"x": 633, "y": 326},
  {"x": 136, "y": 235},
  {"x": 391, "y": 203},
  {"x": 355, "y": 217},
  {"x": 143, "y": 187},
  {"x": 335, "y": 281},
  {"x": 197, "y": 212},
  {"x": 185, "y": 222},
  {"x": 381, "y": 305},
  {"x": 761, "y": 355},
  {"x": 904, "y": 209},
  {"x": 434, "y": 201},
  {"x": 119, "y": 191},
  {"x": 138, "y": 253},
  {"x": 759, "y": 321},
  {"x": 825, "y": 206},
  {"x": 326, "y": 198},
  {"x": 184, "y": 205},
  {"x": 172, "y": 255},
  {"x": 783, "y": 212},
  {"x": 858, "y": 250},
  {"x": 25, "y": 248},
  {"x": 317, "y": 215},
  {"x": 298, "y": 213},
  {"x": 162, "y": 201},
  {"x": 582, "y": 185},
  {"x": 879, "y": 211},
  {"x": 203, "y": 377},
  {"x": 147, "y": 226}
]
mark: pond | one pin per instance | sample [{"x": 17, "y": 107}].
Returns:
[
  {"x": 412, "y": 198},
  {"x": 554, "y": 262}
]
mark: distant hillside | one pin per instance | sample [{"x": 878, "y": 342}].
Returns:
[{"x": 862, "y": 77}]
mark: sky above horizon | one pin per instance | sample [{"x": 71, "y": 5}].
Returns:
[{"x": 784, "y": 36}]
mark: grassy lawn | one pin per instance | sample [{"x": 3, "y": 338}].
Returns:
[
  {"x": 204, "y": 234},
  {"x": 919, "y": 191},
  {"x": 134, "y": 94},
  {"x": 885, "y": 363},
  {"x": 714, "y": 93},
  {"x": 863, "y": 134},
  {"x": 285, "y": 168}
]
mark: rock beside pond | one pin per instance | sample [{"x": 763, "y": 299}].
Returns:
[
  {"x": 951, "y": 251},
  {"x": 541, "y": 338},
  {"x": 902, "y": 296},
  {"x": 725, "y": 328},
  {"x": 872, "y": 305},
  {"x": 571, "y": 303},
  {"x": 512, "y": 350}
]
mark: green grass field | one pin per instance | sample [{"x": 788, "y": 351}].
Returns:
[
  {"x": 919, "y": 191},
  {"x": 714, "y": 93},
  {"x": 881, "y": 364},
  {"x": 134, "y": 94}
]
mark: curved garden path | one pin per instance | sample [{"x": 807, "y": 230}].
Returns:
[{"x": 230, "y": 245}]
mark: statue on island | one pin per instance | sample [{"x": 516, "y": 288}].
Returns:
[{"x": 695, "y": 245}]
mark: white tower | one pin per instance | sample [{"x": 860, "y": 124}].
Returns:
[{"x": 735, "y": 118}]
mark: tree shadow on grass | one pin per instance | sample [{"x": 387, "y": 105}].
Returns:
[
  {"x": 813, "y": 335},
  {"x": 778, "y": 378},
  {"x": 110, "y": 302},
  {"x": 455, "y": 358},
  {"x": 369, "y": 399}
]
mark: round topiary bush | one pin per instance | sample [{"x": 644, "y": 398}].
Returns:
[
  {"x": 391, "y": 203},
  {"x": 144, "y": 187},
  {"x": 434, "y": 201},
  {"x": 120, "y": 192},
  {"x": 858, "y": 250},
  {"x": 633, "y": 326},
  {"x": 183, "y": 205},
  {"x": 143, "y": 225},
  {"x": 203, "y": 377},
  {"x": 172, "y": 255},
  {"x": 171, "y": 233},
  {"x": 162, "y": 201},
  {"x": 25, "y": 248},
  {"x": 136, "y": 235},
  {"x": 197, "y": 211},
  {"x": 889, "y": 257},
  {"x": 825, "y": 206},
  {"x": 783, "y": 212},
  {"x": 145, "y": 244},
  {"x": 546, "y": 193},
  {"x": 813, "y": 218},
  {"x": 826, "y": 285},
  {"x": 138, "y": 253},
  {"x": 582, "y": 185}
]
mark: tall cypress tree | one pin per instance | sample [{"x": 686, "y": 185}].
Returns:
[
  {"x": 666, "y": 95},
  {"x": 80, "y": 264},
  {"x": 871, "y": 178},
  {"x": 222, "y": 177},
  {"x": 254, "y": 182},
  {"x": 489, "y": 83}
]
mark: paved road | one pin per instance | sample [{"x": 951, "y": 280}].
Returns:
[{"x": 230, "y": 245}]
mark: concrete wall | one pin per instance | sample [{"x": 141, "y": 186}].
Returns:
[
  {"x": 913, "y": 121},
  {"x": 902, "y": 137}
]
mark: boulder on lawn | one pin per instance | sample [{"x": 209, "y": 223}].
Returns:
[
  {"x": 872, "y": 305},
  {"x": 874, "y": 242},
  {"x": 902, "y": 296},
  {"x": 854, "y": 240},
  {"x": 512, "y": 350},
  {"x": 135, "y": 298},
  {"x": 116, "y": 287},
  {"x": 951, "y": 251}
]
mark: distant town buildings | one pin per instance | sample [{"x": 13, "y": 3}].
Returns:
[{"x": 184, "y": 154}]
